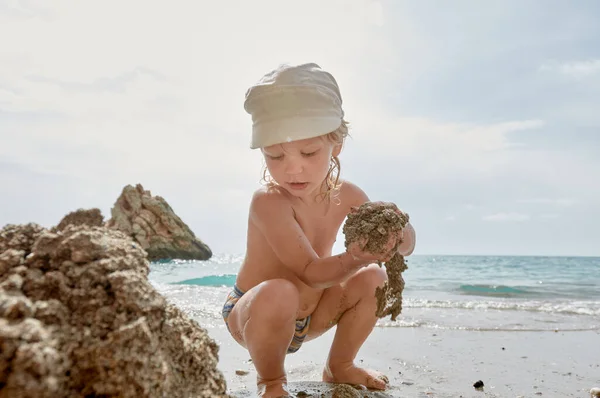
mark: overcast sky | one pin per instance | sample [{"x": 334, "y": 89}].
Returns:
[{"x": 480, "y": 119}]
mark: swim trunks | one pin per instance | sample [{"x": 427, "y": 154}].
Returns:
[{"x": 301, "y": 324}]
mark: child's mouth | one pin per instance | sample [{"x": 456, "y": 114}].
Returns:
[{"x": 298, "y": 185}]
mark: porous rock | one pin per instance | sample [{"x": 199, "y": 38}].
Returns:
[
  {"x": 92, "y": 217},
  {"x": 78, "y": 317}
]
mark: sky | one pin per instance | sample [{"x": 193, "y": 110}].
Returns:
[{"x": 479, "y": 119}]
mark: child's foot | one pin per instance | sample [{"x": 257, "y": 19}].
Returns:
[
  {"x": 273, "y": 388},
  {"x": 347, "y": 373}
]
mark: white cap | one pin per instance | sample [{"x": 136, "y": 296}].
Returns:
[{"x": 293, "y": 103}]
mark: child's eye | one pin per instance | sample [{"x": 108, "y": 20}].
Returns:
[
  {"x": 309, "y": 154},
  {"x": 275, "y": 157}
]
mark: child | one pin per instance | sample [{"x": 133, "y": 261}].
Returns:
[{"x": 290, "y": 288}]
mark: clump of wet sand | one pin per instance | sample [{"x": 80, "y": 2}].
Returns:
[
  {"x": 345, "y": 391},
  {"x": 376, "y": 221}
]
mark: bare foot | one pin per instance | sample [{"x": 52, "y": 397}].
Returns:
[
  {"x": 350, "y": 374},
  {"x": 273, "y": 388}
]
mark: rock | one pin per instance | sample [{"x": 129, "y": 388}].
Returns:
[
  {"x": 78, "y": 317},
  {"x": 377, "y": 221},
  {"x": 20, "y": 238},
  {"x": 155, "y": 226},
  {"x": 478, "y": 384},
  {"x": 241, "y": 372},
  {"x": 91, "y": 217}
]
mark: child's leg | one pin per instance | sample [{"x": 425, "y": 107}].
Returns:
[
  {"x": 263, "y": 321},
  {"x": 353, "y": 303}
]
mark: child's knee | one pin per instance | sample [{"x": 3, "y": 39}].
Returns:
[
  {"x": 372, "y": 277},
  {"x": 277, "y": 299}
]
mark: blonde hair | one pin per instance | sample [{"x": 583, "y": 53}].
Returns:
[{"x": 332, "y": 179}]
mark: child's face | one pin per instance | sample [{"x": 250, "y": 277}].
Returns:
[{"x": 300, "y": 166}]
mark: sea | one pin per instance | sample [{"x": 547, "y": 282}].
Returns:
[{"x": 479, "y": 293}]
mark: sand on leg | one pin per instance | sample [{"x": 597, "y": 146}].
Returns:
[
  {"x": 351, "y": 306},
  {"x": 263, "y": 321}
]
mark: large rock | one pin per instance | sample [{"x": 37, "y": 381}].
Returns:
[
  {"x": 153, "y": 223},
  {"x": 79, "y": 318},
  {"x": 91, "y": 217}
]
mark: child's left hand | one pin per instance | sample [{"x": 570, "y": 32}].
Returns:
[
  {"x": 403, "y": 215},
  {"x": 405, "y": 237},
  {"x": 401, "y": 242},
  {"x": 357, "y": 250}
]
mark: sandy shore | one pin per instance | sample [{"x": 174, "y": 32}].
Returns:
[{"x": 444, "y": 363}]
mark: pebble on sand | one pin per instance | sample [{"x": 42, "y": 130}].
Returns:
[{"x": 478, "y": 384}]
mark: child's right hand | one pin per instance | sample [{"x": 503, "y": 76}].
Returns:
[{"x": 357, "y": 250}]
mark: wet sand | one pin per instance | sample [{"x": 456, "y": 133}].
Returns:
[
  {"x": 374, "y": 223},
  {"x": 443, "y": 363}
]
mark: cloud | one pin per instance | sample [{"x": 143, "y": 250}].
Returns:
[
  {"x": 563, "y": 202},
  {"x": 103, "y": 94},
  {"x": 374, "y": 12},
  {"x": 549, "y": 216},
  {"x": 144, "y": 92},
  {"x": 574, "y": 69},
  {"x": 507, "y": 217},
  {"x": 145, "y": 96},
  {"x": 438, "y": 148}
]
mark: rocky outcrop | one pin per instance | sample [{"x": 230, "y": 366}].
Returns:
[
  {"x": 91, "y": 217},
  {"x": 153, "y": 223},
  {"x": 79, "y": 318}
]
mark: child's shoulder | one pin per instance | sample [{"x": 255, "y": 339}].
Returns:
[
  {"x": 269, "y": 191},
  {"x": 352, "y": 194},
  {"x": 271, "y": 206},
  {"x": 269, "y": 196}
]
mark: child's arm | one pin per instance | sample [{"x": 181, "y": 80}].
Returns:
[{"x": 274, "y": 216}]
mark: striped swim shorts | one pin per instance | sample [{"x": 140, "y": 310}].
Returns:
[{"x": 301, "y": 324}]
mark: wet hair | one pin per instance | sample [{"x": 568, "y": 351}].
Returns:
[{"x": 332, "y": 179}]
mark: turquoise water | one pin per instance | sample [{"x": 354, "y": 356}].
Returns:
[{"x": 458, "y": 292}]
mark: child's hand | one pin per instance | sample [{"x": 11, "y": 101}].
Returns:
[
  {"x": 357, "y": 250},
  {"x": 395, "y": 240},
  {"x": 400, "y": 233}
]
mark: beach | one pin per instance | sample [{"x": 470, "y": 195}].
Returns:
[
  {"x": 525, "y": 327},
  {"x": 446, "y": 363}
]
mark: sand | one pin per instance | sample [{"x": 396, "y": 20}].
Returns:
[
  {"x": 314, "y": 389},
  {"x": 442, "y": 363},
  {"x": 375, "y": 222},
  {"x": 389, "y": 297}
]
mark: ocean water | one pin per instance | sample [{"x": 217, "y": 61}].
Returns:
[{"x": 481, "y": 293}]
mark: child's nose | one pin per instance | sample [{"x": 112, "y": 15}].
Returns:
[{"x": 293, "y": 166}]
